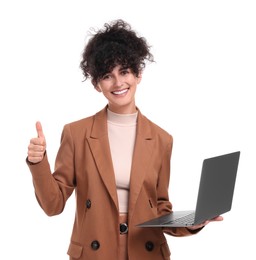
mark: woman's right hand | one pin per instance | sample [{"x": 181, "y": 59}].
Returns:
[{"x": 37, "y": 146}]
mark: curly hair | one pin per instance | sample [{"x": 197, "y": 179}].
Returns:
[{"x": 116, "y": 44}]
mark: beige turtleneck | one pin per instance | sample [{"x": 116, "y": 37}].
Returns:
[{"x": 121, "y": 132}]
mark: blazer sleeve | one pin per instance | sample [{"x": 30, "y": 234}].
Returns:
[
  {"x": 53, "y": 189},
  {"x": 164, "y": 205}
]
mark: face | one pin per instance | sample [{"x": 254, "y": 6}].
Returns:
[{"x": 119, "y": 88}]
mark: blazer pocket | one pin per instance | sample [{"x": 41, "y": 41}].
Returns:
[
  {"x": 75, "y": 250},
  {"x": 153, "y": 206},
  {"x": 165, "y": 251}
]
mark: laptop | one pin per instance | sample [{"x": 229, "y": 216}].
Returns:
[{"x": 215, "y": 194}]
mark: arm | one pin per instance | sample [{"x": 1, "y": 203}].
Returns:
[{"x": 52, "y": 190}]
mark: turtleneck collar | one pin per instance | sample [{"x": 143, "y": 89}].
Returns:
[{"x": 122, "y": 119}]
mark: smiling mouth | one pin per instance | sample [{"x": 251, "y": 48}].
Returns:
[{"x": 120, "y": 92}]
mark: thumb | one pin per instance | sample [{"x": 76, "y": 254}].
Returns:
[{"x": 39, "y": 130}]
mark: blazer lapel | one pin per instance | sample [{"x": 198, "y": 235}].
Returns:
[
  {"x": 99, "y": 145},
  {"x": 100, "y": 148},
  {"x": 143, "y": 149}
]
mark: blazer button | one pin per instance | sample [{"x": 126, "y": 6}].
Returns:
[
  {"x": 88, "y": 204},
  {"x": 149, "y": 246},
  {"x": 95, "y": 245}
]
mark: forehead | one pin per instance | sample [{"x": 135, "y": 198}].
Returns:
[{"x": 118, "y": 68}]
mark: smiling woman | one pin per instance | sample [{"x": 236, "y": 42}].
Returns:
[
  {"x": 117, "y": 158},
  {"x": 119, "y": 88}
]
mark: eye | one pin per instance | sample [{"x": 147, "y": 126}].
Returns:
[
  {"x": 125, "y": 71},
  {"x": 106, "y": 76}
]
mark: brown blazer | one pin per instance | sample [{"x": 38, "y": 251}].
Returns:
[{"x": 84, "y": 163}]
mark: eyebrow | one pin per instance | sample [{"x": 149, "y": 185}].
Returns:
[
  {"x": 121, "y": 68},
  {"x": 124, "y": 68}
]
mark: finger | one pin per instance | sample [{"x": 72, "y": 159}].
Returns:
[
  {"x": 39, "y": 130},
  {"x": 36, "y": 145},
  {"x": 219, "y": 218},
  {"x": 197, "y": 226},
  {"x": 35, "y": 159},
  {"x": 35, "y": 154}
]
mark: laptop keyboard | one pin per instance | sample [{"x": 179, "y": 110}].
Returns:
[{"x": 188, "y": 219}]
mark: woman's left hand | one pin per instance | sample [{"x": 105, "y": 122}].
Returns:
[{"x": 219, "y": 218}]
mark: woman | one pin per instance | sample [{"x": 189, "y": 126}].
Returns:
[{"x": 117, "y": 160}]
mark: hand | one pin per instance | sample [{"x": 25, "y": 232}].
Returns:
[
  {"x": 219, "y": 218},
  {"x": 37, "y": 146}
]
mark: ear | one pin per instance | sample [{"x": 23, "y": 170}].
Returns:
[
  {"x": 96, "y": 86},
  {"x": 139, "y": 77}
]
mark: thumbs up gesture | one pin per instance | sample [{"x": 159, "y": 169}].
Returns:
[{"x": 37, "y": 146}]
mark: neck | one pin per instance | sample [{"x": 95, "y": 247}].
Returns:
[{"x": 123, "y": 109}]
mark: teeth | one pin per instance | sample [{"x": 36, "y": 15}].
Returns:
[{"x": 120, "y": 92}]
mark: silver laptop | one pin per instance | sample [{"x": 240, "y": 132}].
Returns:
[{"x": 215, "y": 194}]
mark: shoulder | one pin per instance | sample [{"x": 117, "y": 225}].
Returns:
[
  {"x": 158, "y": 129},
  {"x": 79, "y": 125},
  {"x": 87, "y": 121},
  {"x": 154, "y": 129},
  {"x": 84, "y": 125}
]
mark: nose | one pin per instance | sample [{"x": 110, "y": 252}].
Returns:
[{"x": 118, "y": 81}]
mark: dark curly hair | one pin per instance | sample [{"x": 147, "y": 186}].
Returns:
[{"x": 116, "y": 44}]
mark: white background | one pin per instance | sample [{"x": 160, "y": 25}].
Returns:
[{"x": 201, "y": 89}]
